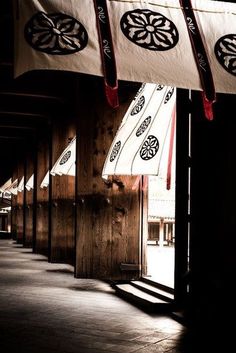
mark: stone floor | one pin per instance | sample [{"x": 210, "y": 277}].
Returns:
[{"x": 43, "y": 309}]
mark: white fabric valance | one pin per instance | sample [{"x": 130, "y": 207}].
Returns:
[{"x": 150, "y": 39}]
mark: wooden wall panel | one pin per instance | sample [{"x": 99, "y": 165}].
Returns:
[
  {"x": 107, "y": 232},
  {"x": 63, "y": 198}
]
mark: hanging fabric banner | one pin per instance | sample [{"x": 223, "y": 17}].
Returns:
[
  {"x": 45, "y": 181},
  {"x": 65, "y": 164},
  {"x": 150, "y": 39},
  {"x": 12, "y": 188},
  {"x": 141, "y": 145},
  {"x": 20, "y": 187},
  {"x": 30, "y": 183},
  {"x": 6, "y": 185}
]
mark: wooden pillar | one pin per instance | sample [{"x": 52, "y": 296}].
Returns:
[
  {"x": 181, "y": 196},
  {"x": 17, "y": 216},
  {"x": 125, "y": 235},
  {"x": 42, "y": 231},
  {"x": 29, "y": 202},
  {"x": 213, "y": 211},
  {"x": 108, "y": 213},
  {"x": 14, "y": 211},
  {"x": 161, "y": 233},
  {"x": 62, "y": 208}
]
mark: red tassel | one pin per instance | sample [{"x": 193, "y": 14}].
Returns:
[
  {"x": 208, "y": 108},
  {"x": 112, "y": 95}
]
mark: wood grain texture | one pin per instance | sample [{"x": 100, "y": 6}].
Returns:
[{"x": 108, "y": 214}]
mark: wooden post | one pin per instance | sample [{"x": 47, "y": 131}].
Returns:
[
  {"x": 181, "y": 195},
  {"x": 62, "y": 197},
  {"x": 29, "y": 202},
  {"x": 17, "y": 216},
  {"x": 161, "y": 233},
  {"x": 42, "y": 194},
  {"x": 108, "y": 213},
  {"x": 213, "y": 222}
]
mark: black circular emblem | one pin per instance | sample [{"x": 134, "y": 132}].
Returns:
[
  {"x": 55, "y": 34},
  {"x": 225, "y": 52},
  {"x": 138, "y": 106},
  {"x": 143, "y": 126},
  {"x": 65, "y": 158},
  {"x": 149, "y": 148},
  {"x": 150, "y": 30},
  {"x": 115, "y": 151}
]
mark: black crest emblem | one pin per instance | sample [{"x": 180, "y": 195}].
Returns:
[
  {"x": 55, "y": 34},
  {"x": 150, "y": 30},
  {"x": 225, "y": 52},
  {"x": 138, "y": 106},
  {"x": 115, "y": 151},
  {"x": 149, "y": 148},
  {"x": 143, "y": 126},
  {"x": 169, "y": 94},
  {"x": 65, "y": 158}
]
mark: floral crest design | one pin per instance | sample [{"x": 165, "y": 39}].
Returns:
[
  {"x": 55, "y": 34},
  {"x": 115, "y": 151},
  {"x": 169, "y": 94},
  {"x": 149, "y": 148},
  {"x": 65, "y": 158},
  {"x": 225, "y": 52},
  {"x": 160, "y": 87},
  {"x": 138, "y": 106},
  {"x": 143, "y": 126},
  {"x": 141, "y": 89},
  {"x": 150, "y": 30}
]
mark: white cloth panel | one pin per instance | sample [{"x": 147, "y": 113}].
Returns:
[
  {"x": 65, "y": 164},
  {"x": 12, "y": 189},
  {"x": 30, "y": 183},
  {"x": 6, "y": 185},
  {"x": 72, "y": 170},
  {"x": 45, "y": 181},
  {"x": 150, "y": 39},
  {"x": 144, "y": 135},
  {"x": 20, "y": 187}
]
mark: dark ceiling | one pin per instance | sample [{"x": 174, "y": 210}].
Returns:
[{"x": 27, "y": 103}]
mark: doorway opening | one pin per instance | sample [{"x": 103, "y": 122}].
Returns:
[
  {"x": 159, "y": 243},
  {"x": 166, "y": 217}
]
